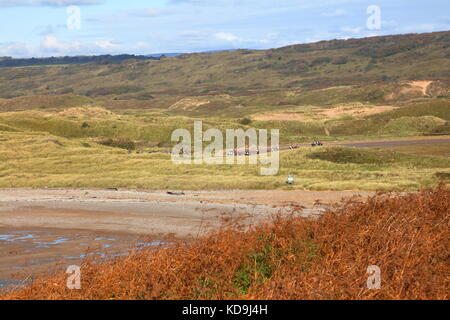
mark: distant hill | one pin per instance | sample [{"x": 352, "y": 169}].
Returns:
[
  {"x": 176, "y": 54},
  {"x": 160, "y": 55},
  {"x": 102, "y": 59},
  {"x": 385, "y": 60}
]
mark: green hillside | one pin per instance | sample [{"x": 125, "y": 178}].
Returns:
[{"x": 379, "y": 60}]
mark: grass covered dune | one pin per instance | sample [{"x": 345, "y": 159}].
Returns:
[
  {"x": 417, "y": 119},
  {"x": 36, "y": 160},
  {"x": 86, "y": 147},
  {"x": 406, "y": 236}
]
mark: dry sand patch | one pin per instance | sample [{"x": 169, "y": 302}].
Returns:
[{"x": 332, "y": 113}]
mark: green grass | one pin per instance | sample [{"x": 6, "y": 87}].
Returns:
[
  {"x": 431, "y": 149},
  {"x": 439, "y": 108},
  {"x": 413, "y": 125},
  {"x": 381, "y": 157},
  {"x": 44, "y": 149},
  {"x": 41, "y": 160},
  {"x": 155, "y": 128},
  {"x": 43, "y": 102}
]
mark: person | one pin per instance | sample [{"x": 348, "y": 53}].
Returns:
[{"x": 290, "y": 179}]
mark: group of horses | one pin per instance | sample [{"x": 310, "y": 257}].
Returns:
[{"x": 236, "y": 152}]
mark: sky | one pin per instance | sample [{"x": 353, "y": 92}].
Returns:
[{"x": 41, "y": 28}]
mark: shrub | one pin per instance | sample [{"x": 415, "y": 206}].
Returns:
[
  {"x": 319, "y": 61},
  {"x": 349, "y": 155},
  {"x": 122, "y": 143},
  {"x": 245, "y": 121},
  {"x": 441, "y": 130},
  {"x": 341, "y": 60}
]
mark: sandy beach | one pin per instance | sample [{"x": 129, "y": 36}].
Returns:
[{"x": 46, "y": 229}]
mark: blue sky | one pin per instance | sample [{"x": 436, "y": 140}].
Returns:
[{"x": 40, "y": 27}]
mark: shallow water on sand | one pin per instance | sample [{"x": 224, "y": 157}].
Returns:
[{"x": 25, "y": 254}]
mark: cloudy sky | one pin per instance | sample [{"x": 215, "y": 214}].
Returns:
[{"x": 71, "y": 27}]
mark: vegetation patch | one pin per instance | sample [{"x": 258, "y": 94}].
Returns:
[
  {"x": 439, "y": 108},
  {"x": 443, "y": 129},
  {"x": 4, "y": 127},
  {"x": 413, "y": 124},
  {"x": 378, "y": 157},
  {"x": 122, "y": 143},
  {"x": 352, "y": 155},
  {"x": 443, "y": 175}
]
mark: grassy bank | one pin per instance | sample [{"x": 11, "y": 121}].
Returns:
[
  {"x": 39, "y": 160},
  {"x": 415, "y": 119},
  {"x": 87, "y": 147}
]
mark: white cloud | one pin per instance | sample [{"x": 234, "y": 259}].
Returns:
[
  {"x": 423, "y": 27},
  {"x": 51, "y": 45},
  {"x": 194, "y": 34},
  {"x": 17, "y": 49},
  {"x": 351, "y": 30},
  {"x": 50, "y": 3},
  {"x": 107, "y": 45},
  {"x": 273, "y": 35},
  {"x": 199, "y": 25},
  {"x": 151, "y": 13},
  {"x": 63, "y": 3},
  {"x": 336, "y": 13},
  {"x": 226, "y": 36},
  {"x": 147, "y": 13}
]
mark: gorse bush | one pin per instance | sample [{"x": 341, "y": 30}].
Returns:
[
  {"x": 245, "y": 121},
  {"x": 441, "y": 130},
  {"x": 122, "y": 143}
]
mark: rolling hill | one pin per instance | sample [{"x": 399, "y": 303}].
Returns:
[{"x": 376, "y": 60}]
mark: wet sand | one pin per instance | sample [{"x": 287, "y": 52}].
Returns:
[
  {"x": 42, "y": 227},
  {"x": 26, "y": 253}
]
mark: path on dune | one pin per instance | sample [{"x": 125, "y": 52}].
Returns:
[
  {"x": 381, "y": 143},
  {"x": 393, "y": 142}
]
